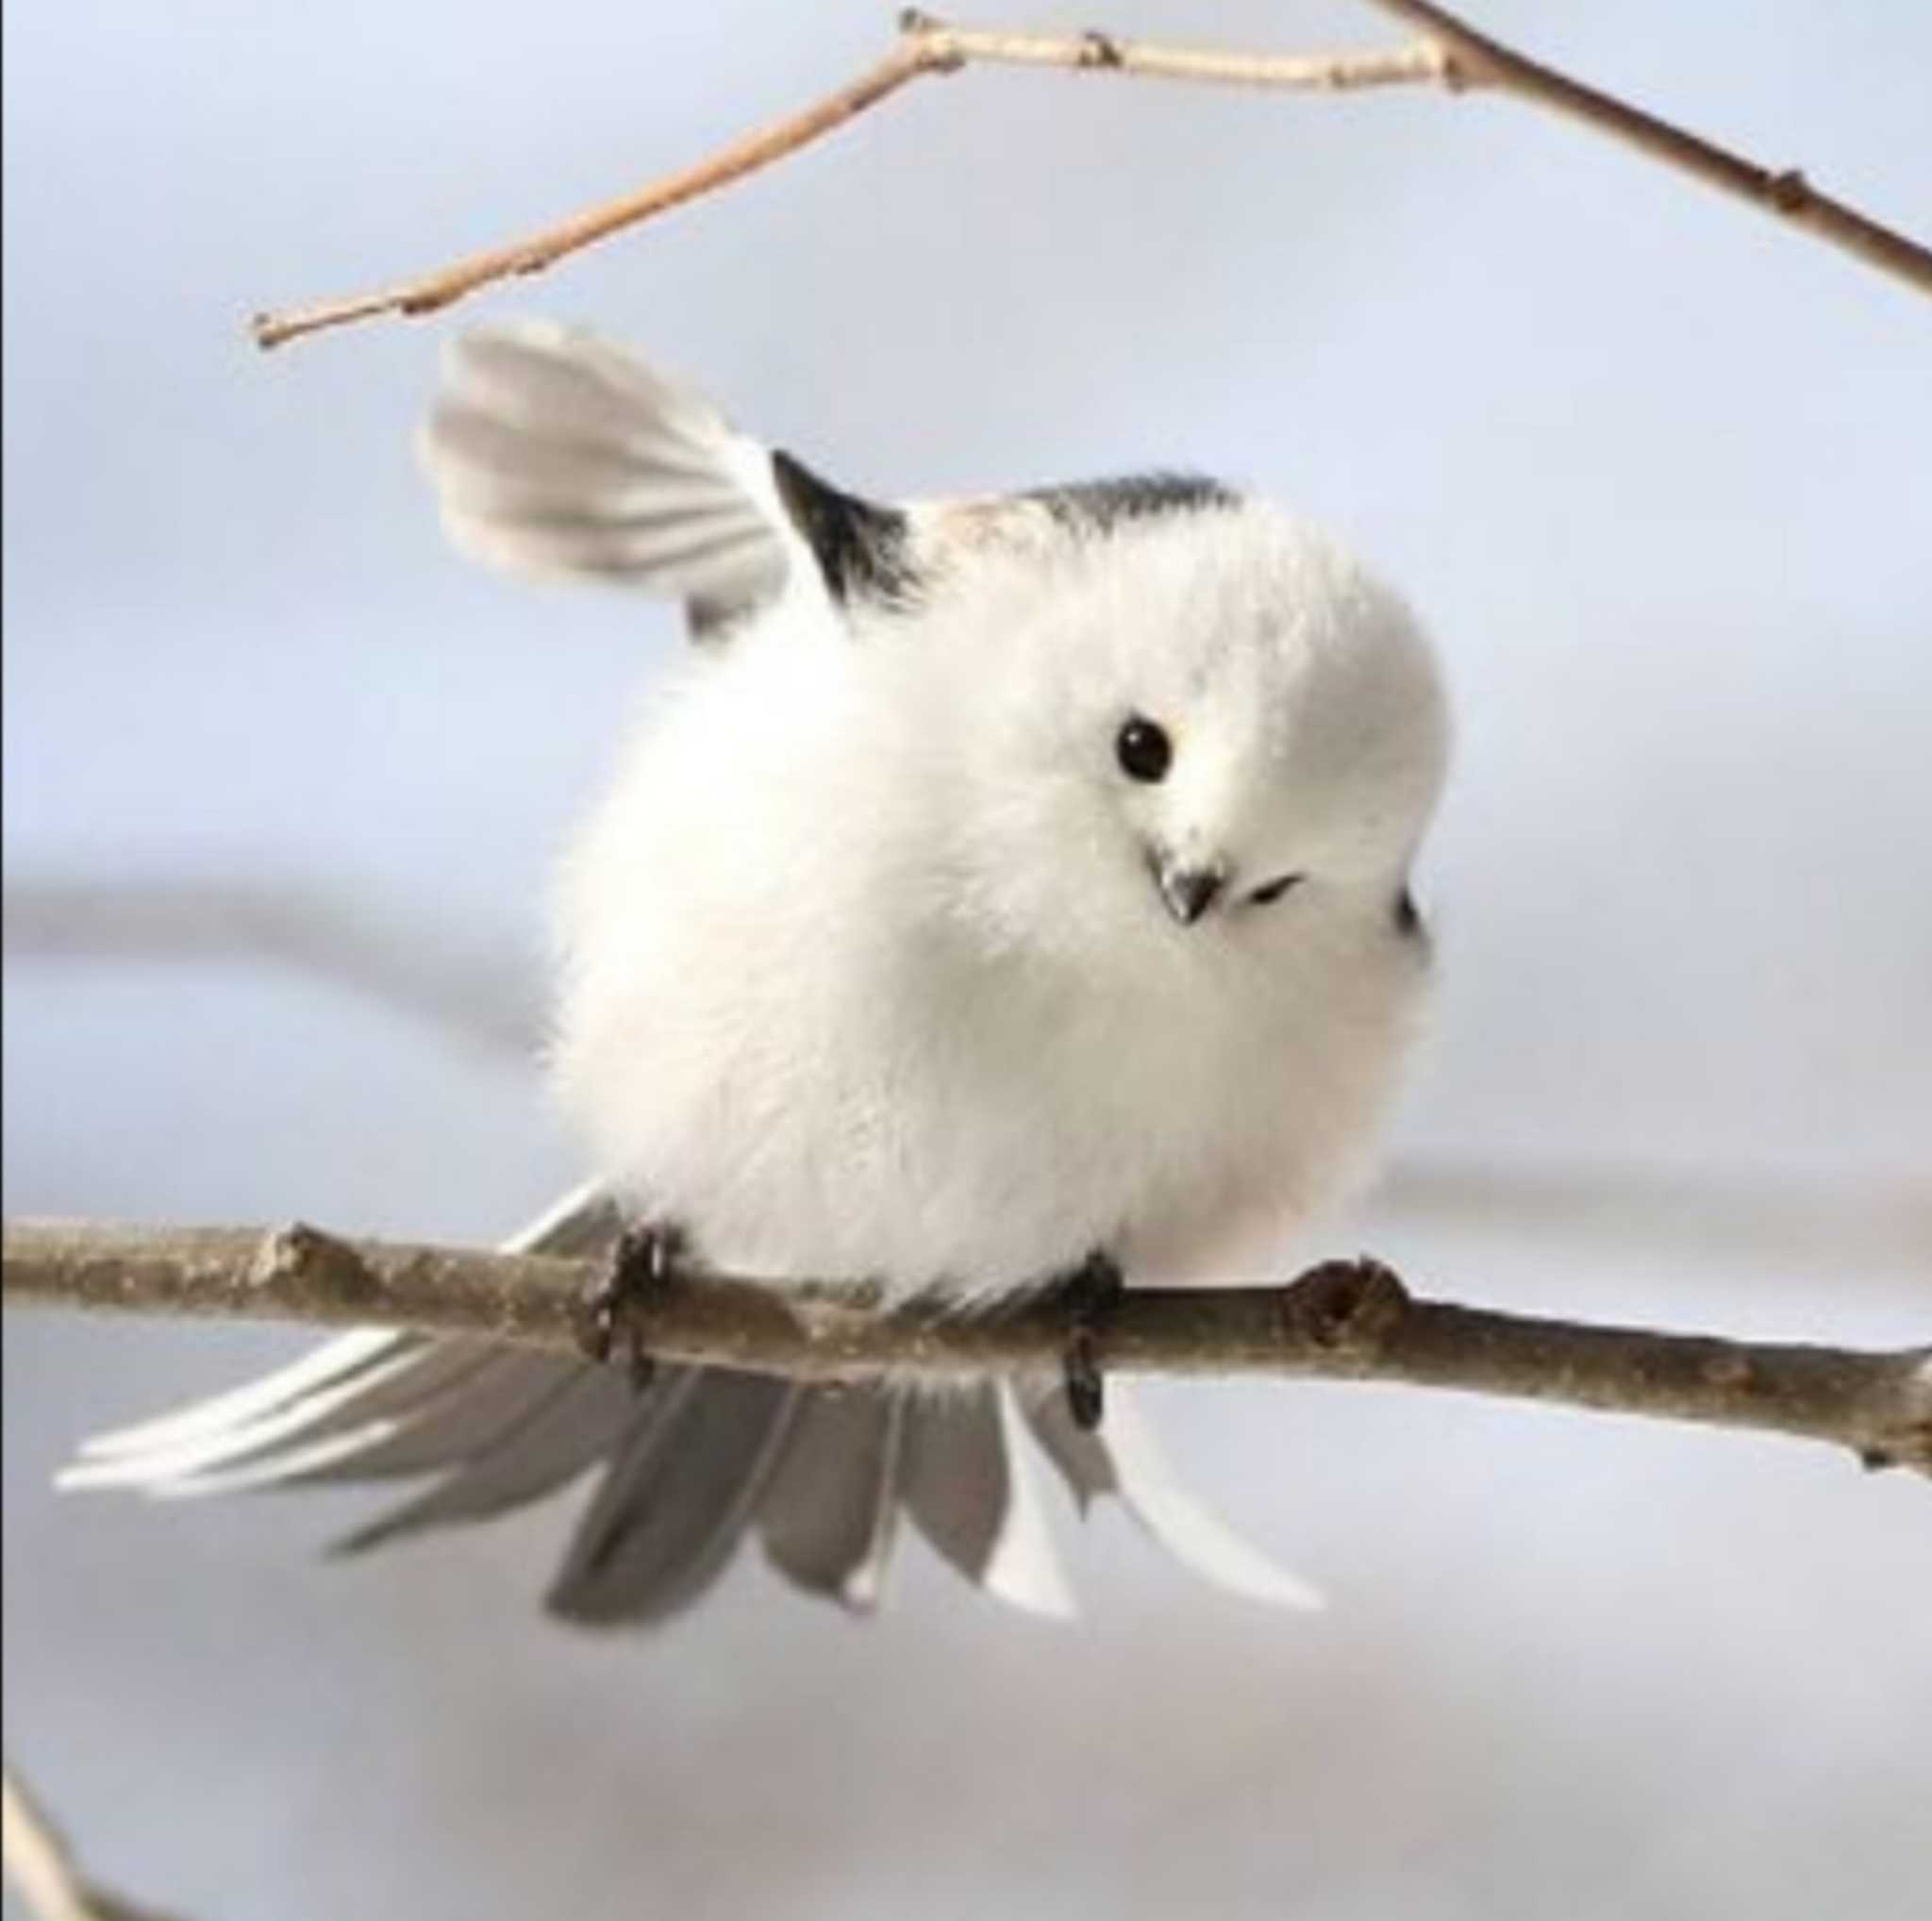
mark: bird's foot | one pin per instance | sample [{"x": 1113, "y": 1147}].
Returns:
[
  {"x": 1089, "y": 1291},
  {"x": 645, "y": 1260}
]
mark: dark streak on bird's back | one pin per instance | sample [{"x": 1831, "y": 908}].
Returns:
[
  {"x": 1099, "y": 505},
  {"x": 861, "y": 547}
]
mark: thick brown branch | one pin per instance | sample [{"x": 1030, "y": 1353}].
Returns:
[
  {"x": 1450, "y": 53},
  {"x": 1343, "y": 1321}
]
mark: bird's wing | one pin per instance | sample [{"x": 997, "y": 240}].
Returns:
[{"x": 555, "y": 453}]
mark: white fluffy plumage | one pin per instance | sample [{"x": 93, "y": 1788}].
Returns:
[
  {"x": 1001, "y": 883},
  {"x": 867, "y": 970}
]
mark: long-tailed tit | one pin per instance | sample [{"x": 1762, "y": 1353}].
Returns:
[{"x": 1001, "y": 890}]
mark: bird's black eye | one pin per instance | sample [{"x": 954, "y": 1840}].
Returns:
[
  {"x": 1273, "y": 889},
  {"x": 1143, "y": 749}
]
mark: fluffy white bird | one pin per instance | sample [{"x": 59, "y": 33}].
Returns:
[{"x": 1004, "y": 890}]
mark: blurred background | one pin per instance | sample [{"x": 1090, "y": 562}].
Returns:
[{"x": 283, "y": 777}]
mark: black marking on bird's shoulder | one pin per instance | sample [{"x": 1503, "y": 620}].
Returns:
[
  {"x": 861, "y": 547},
  {"x": 1409, "y": 919},
  {"x": 1099, "y": 505}
]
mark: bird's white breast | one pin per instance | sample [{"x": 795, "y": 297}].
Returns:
[{"x": 775, "y": 1029}]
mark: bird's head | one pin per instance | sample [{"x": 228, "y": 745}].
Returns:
[{"x": 1200, "y": 728}]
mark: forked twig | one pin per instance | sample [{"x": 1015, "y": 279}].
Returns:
[{"x": 1449, "y": 54}]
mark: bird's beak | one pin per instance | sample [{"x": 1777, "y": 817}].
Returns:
[{"x": 1188, "y": 889}]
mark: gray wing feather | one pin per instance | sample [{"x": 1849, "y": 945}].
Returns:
[
  {"x": 584, "y": 1221},
  {"x": 1080, "y": 1456},
  {"x": 568, "y": 1430},
  {"x": 459, "y": 1420},
  {"x": 970, "y": 1491},
  {"x": 496, "y": 458},
  {"x": 453, "y": 1423},
  {"x": 674, "y": 1500},
  {"x": 954, "y": 1476},
  {"x": 699, "y": 558},
  {"x": 370, "y": 1362},
  {"x": 1126, "y": 1459},
  {"x": 828, "y": 1513},
  {"x": 366, "y": 1405},
  {"x": 553, "y": 453},
  {"x": 362, "y": 1410}
]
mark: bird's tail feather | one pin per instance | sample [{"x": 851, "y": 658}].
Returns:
[{"x": 692, "y": 1462}]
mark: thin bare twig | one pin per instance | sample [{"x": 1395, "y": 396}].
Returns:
[
  {"x": 42, "y": 1868},
  {"x": 926, "y": 46},
  {"x": 1450, "y": 54},
  {"x": 1473, "y": 59},
  {"x": 1342, "y": 1321}
]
